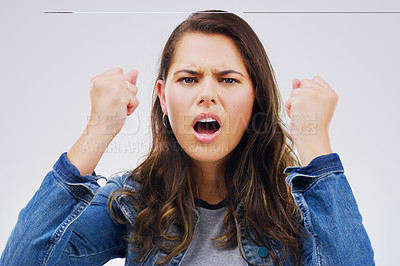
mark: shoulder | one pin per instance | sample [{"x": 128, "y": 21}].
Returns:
[
  {"x": 125, "y": 201},
  {"x": 124, "y": 180}
]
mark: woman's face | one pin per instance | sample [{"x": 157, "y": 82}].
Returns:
[{"x": 208, "y": 96}]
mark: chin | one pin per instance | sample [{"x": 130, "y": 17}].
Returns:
[{"x": 211, "y": 152}]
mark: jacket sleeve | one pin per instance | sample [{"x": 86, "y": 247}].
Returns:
[
  {"x": 335, "y": 234},
  {"x": 66, "y": 222}
]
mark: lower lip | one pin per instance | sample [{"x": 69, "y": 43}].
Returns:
[{"x": 206, "y": 138}]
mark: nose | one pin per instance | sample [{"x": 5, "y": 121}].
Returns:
[{"x": 208, "y": 94}]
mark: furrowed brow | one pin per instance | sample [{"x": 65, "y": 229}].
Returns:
[
  {"x": 225, "y": 72},
  {"x": 186, "y": 71},
  {"x": 219, "y": 73}
]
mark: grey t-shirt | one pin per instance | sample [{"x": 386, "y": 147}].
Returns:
[{"x": 202, "y": 250}]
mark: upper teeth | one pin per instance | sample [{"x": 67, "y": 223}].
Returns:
[{"x": 208, "y": 119}]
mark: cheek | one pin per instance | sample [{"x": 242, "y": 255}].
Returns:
[
  {"x": 178, "y": 106},
  {"x": 240, "y": 110}
]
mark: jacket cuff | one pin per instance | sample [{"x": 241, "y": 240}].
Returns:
[
  {"x": 70, "y": 174},
  {"x": 301, "y": 178}
]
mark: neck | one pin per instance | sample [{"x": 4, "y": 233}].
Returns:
[{"x": 211, "y": 188}]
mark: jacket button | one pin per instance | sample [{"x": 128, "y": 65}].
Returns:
[{"x": 262, "y": 252}]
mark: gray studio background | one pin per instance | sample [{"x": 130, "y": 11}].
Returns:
[{"x": 47, "y": 61}]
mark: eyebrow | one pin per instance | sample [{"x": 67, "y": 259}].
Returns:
[{"x": 220, "y": 73}]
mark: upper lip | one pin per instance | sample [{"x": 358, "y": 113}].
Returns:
[{"x": 206, "y": 115}]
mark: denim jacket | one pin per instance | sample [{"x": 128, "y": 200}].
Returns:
[{"x": 67, "y": 222}]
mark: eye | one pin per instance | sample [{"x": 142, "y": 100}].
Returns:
[
  {"x": 230, "y": 80},
  {"x": 186, "y": 80}
]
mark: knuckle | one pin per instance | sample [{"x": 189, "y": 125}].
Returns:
[
  {"x": 94, "y": 83},
  {"x": 295, "y": 92},
  {"x": 303, "y": 82},
  {"x": 127, "y": 77},
  {"x": 123, "y": 84},
  {"x": 118, "y": 69}
]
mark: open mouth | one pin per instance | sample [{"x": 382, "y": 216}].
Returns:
[{"x": 206, "y": 126}]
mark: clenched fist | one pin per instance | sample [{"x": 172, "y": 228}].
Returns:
[
  {"x": 310, "y": 109},
  {"x": 113, "y": 97}
]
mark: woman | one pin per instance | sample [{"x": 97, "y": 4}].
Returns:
[{"x": 212, "y": 189}]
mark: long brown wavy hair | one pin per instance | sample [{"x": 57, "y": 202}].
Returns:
[{"x": 253, "y": 171}]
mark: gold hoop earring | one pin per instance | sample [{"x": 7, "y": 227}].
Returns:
[{"x": 163, "y": 121}]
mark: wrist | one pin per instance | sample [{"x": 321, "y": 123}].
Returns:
[
  {"x": 95, "y": 133},
  {"x": 106, "y": 125},
  {"x": 312, "y": 147}
]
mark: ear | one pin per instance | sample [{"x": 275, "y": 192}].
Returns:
[{"x": 161, "y": 95}]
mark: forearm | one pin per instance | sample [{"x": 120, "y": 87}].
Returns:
[{"x": 88, "y": 149}]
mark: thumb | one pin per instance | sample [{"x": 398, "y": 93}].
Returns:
[
  {"x": 296, "y": 83},
  {"x": 134, "y": 74}
]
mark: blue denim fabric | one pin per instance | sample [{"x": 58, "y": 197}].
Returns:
[
  {"x": 67, "y": 221},
  {"x": 330, "y": 214}
]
